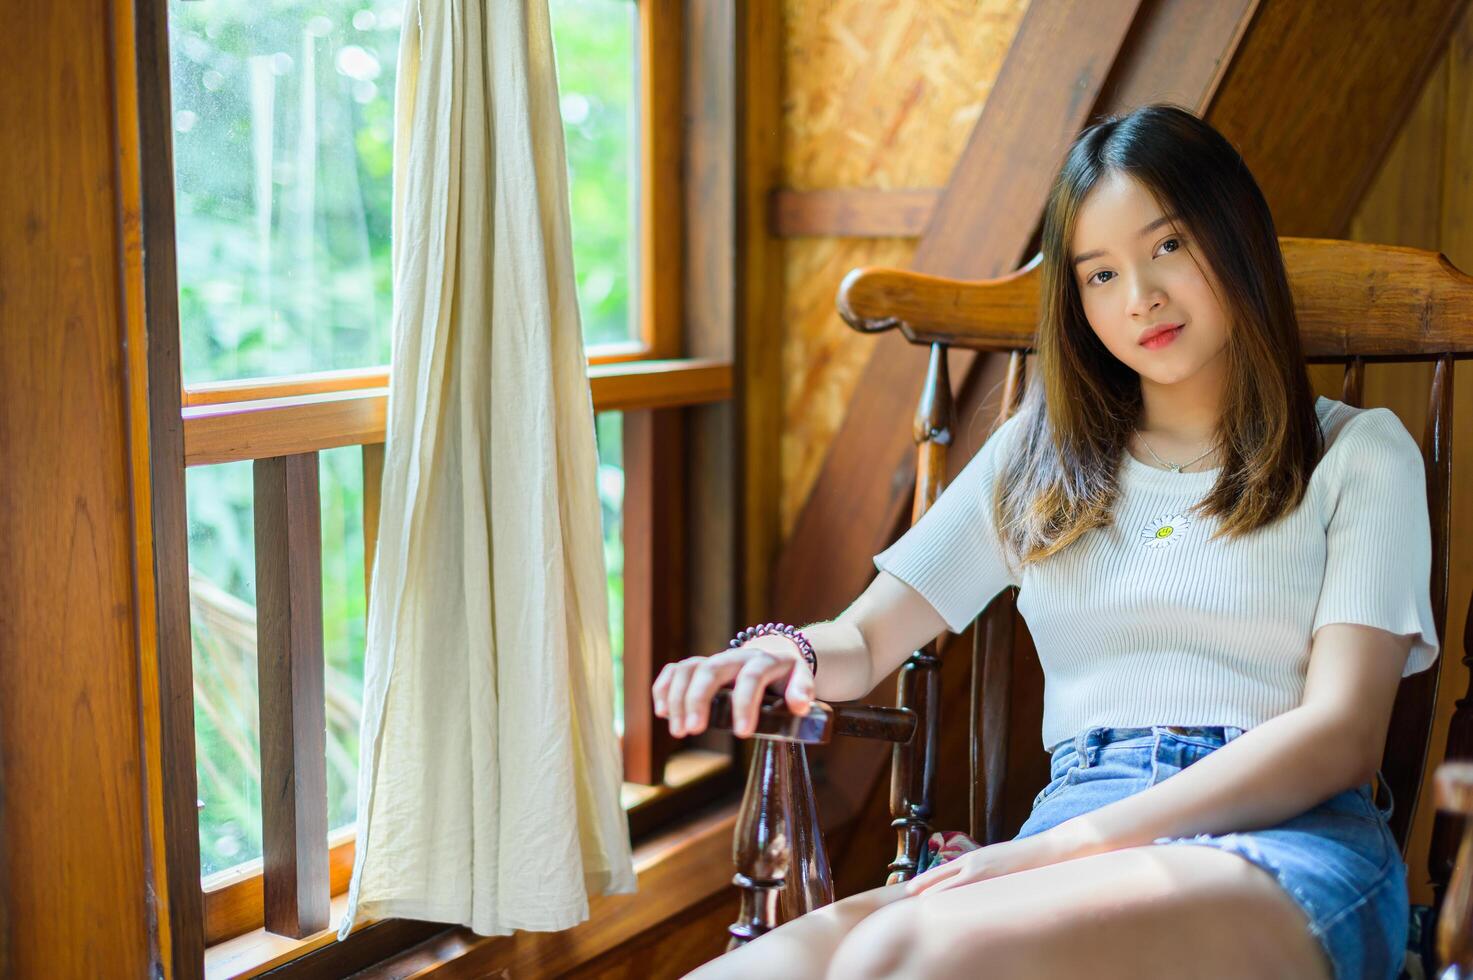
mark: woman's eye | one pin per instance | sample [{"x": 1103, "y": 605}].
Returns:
[{"x": 1094, "y": 280}]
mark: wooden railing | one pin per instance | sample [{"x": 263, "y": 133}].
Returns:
[{"x": 281, "y": 425}]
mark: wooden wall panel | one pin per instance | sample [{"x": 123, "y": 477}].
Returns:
[
  {"x": 822, "y": 359},
  {"x": 875, "y": 96},
  {"x": 74, "y": 876},
  {"x": 1422, "y": 196}
]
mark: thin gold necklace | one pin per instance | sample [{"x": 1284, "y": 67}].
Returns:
[{"x": 1173, "y": 467}]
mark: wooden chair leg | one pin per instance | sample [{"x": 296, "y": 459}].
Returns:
[
  {"x": 778, "y": 848},
  {"x": 762, "y": 848},
  {"x": 810, "y": 884}
]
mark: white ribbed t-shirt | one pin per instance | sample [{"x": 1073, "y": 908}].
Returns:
[{"x": 1146, "y": 622}]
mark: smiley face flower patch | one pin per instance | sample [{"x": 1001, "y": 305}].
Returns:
[{"x": 1165, "y": 531}]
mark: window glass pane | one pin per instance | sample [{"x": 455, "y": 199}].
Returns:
[
  {"x": 283, "y": 130},
  {"x": 222, "y": 618},
  {"x": 283, "y": 146},
  {"x": 609, "y": 430},
  {"x": 222, "y": 576},
  {"x": 594, "y": 42}
]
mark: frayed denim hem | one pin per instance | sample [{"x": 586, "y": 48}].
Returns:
[{"x": 1340, "y": 933}]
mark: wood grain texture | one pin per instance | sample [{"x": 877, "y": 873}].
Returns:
[
  {"x": 654, "y": 577},
  {"x": 873, "y": 96},
  {"x": 1340, "y": 78},
  {"x": 72, "y": 812},
  {"x": 373, "y": 482},
  {"x": 853, "y": 212},
  {"x": 661, "y": 46},
  {"x": 668, "y": 951},
  {"x": 312, "y": 414},
  {"x": 759, "y": 314},
  {"x": 293, "y": 722},
  {"x": 156, "y": 449},
  {"x": 235, "y": 902}
]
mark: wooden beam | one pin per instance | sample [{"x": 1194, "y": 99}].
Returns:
[
  {"x": 659, "y": 384},
  {"x": 311, "y": 415},
  {"x": 275, "y": 427},
  {"x": 758, "y": 313},
  {"x": 654, "y": 577},
  {"x": 76, "y": 879},
  {"x": 166, "y": 665},
  {"x": 853, "y": 212},
  {"x": 660, "y": 202},
  {"x": 293, "y": 722},
  {"x": 373, "y": 481}
]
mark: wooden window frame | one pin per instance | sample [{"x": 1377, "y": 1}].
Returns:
[
  {"x": 668, "y": 372},
  {"x": 291, "y": 418}
]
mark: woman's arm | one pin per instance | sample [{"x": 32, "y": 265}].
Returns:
[
  {"x": 1287, "y": 765},
  {"x": 889, "y": 621},
  {"x": 864, "y": 643}
]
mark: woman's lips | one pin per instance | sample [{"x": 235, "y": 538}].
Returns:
[{"x": 1162, "y": 339}]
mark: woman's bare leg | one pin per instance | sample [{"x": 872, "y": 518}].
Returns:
[{"x": 802, "y": 947}]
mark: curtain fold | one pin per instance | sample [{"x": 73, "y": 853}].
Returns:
[{"x": 489, "y": 769}]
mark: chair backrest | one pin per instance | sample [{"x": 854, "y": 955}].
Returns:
[{"x": 1355, "y": 303}]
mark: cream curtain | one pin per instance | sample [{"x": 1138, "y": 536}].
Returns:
[{"x": 489, "y": 769}]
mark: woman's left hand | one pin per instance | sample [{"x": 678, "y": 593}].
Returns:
[{"x": 996, "y": 860}]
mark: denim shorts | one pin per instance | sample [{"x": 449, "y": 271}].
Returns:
[{"x": 1338, "y": 861}]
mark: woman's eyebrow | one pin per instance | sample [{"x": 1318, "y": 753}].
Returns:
[{"x": 1164, "y": 219}]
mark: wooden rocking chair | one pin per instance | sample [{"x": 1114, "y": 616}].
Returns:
[{"x": 1356, "y": 303}]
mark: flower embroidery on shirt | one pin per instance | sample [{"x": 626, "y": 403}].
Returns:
[{"x": 1165, "y": 531}]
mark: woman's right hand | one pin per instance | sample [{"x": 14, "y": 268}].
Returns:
[{"x": 683, "y": 691}]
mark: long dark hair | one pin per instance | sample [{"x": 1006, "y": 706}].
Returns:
[{"x": 1081, "y": 403}]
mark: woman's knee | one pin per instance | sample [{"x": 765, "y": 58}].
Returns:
[
  {"x": 901, "y": 940},
  {"x": 881, "y": 945}
]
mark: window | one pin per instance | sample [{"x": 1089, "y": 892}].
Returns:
[
  {"x": 283, "y": 147},
  {"x": 594, "y": 42},
  {"x": 283, "y": 123}
]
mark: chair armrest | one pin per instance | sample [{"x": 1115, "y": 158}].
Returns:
[{"x": 823, "y": 721}]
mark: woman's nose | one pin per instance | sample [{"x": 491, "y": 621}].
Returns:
[{"x": 1145, "y": 297}]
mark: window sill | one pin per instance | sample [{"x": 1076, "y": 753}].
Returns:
[{"x": 693, "y": 777}]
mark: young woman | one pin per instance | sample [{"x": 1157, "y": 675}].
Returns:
[{"x": 1225, "y": 579}]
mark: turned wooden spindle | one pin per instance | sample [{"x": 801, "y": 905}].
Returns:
[
  {"x": 762, "y": 846},
  {"x": 913, "y": 768},
  {"x": 810, "y": 883}
]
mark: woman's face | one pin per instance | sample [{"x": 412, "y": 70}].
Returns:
[{"x": 1137, "y": 269}]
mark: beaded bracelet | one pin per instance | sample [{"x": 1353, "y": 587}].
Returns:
[{"x": 781, "y": 629}]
